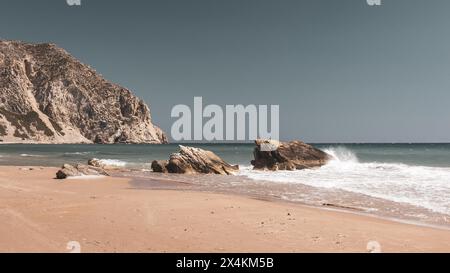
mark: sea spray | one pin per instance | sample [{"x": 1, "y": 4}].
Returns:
[
  {"x": 427, "y": 187},
  {"x": 113, "y": 162},
  {"x": 342, "y": 154}
]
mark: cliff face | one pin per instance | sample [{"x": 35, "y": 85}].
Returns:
[{"x": 47, "y": 96}]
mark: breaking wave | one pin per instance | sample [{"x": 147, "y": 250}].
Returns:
[
  {"x": 427, "y": 187},
  {"x": 79, "y": 153},
  {"x": 29, "y": 155},
  {"x": 113, "y": 162}
]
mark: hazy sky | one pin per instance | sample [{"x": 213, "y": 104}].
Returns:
[{"x": 341, "y": 71}]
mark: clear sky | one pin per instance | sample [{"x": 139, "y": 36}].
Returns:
[{"x": 341, "y": 71}]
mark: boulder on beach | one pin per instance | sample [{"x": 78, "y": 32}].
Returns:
[
  {"x": 79, "y": 170},
  {"x": 94, "y": 162},
  {"x": 160, "y": 166},
  {"x": 295, "y": 155},
  {"x": 192, "y": 160}
]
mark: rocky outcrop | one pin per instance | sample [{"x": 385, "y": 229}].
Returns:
[
  {"x": 48, "y": 96},
  {"x": 160, "y": 166},
  {"x": 295, "y": 155},
  {"x": 97, "y": 163},
  {"x": 194, "y": 161},
  {"x": 79, "y": 170}
]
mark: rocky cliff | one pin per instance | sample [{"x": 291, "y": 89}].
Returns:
[{"x": 48, "y": 96}]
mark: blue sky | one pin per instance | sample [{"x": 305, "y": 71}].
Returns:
[{"x": 341, "y": 71}]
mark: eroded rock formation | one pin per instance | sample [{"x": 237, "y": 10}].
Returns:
[
  {"x": 194, "y": 161},
  {"x": 48, "y": 96},
  {"x": 79, "y": 170},
  {"x": 295, "y": 155}
]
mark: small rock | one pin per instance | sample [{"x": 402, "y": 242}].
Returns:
[
  {"x": 94, "y": 162},
  {"x": 160, "y": 166},
  {"x": 68, "y": 170}
]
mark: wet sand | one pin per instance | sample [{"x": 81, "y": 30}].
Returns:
[{"x": 41, "y": 214}]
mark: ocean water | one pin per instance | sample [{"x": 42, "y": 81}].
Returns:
[
  {"x": 416, "y": 174},
  {"x": 408, "y": 181},
  {"x": 131, "y": 156}
]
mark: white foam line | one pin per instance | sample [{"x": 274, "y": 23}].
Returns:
[
  {"x": 86, "y": 177},
  {"x": 427, "y": 187}
]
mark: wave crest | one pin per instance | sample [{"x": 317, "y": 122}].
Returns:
[
  {"x": 342, "y": 154},
  {"x": 113, "y": 162},
  {"x": 417, "y": 185}
]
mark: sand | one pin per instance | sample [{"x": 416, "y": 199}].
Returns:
[{"x": 41, "y": 214}]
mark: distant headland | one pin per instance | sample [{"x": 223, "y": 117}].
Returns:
[{"x": 48, "y": 96}]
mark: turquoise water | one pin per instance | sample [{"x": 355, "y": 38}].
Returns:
[
  {"x": 122, "y": 155},
  {"x": 432, "y": 155}
]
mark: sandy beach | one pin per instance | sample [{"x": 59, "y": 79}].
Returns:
[{"x": 41, "y": 214}]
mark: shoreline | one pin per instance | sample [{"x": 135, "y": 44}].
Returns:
[
  {"x": 177, "y": 183},
  {"x": 325, "y": 207},
  {"x": 41, "y": 214}
]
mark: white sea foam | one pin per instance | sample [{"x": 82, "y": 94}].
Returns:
[
  {"x": 87, "y": 177},
  {"x": 113, "y": 162},
  {"x": 427, "y": 187},
  {"x": 28, "y": 155},
  {"x": 78, "y": 153}
]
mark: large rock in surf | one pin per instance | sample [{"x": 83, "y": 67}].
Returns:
[
  {"x": 48, "y": 96},
  {"x": 194, "y": 161},
  {"x": 296, "y": 155},
  {"x": 79, "y": 170}
]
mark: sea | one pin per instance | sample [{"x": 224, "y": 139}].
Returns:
[{"x": 406, "y": 182}]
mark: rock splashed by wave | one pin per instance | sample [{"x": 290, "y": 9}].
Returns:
[{"x": 422, "y": 186}]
